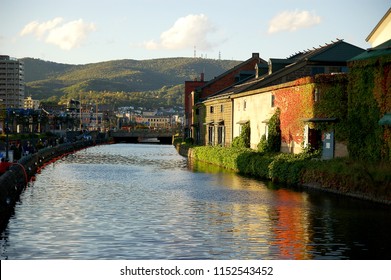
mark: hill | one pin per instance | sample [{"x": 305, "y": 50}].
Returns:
[{"x": 120, "y": 81}]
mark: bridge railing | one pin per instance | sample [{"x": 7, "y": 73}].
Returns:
[{"x": 145, "y": 133}]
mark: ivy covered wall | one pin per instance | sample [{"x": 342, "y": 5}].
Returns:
[
  {"x": 322, "y": 96},
  {"x": 332, "y": 102},
  {"x": 369, "y": 94},
  {"x": 295, "y": 103}
]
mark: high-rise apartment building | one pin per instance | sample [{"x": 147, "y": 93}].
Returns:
[{"x": 11, "y": 82}]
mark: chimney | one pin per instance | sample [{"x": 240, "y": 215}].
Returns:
[
  {"x": 202, "y": 77},
  {"x": 256, "y": 56}
]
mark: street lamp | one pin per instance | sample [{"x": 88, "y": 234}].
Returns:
[
  {"x": 6, "y": 135},
  {"x": 6, "y": 132}
]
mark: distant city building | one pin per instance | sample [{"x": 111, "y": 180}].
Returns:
[
  {"x": 149, "y": 113},
  {"x": 73, "y": 105},
  {"x": 157, "y": 121},
  {"x": 11, "y": 82},
  {"x": 30, "y": 103}
]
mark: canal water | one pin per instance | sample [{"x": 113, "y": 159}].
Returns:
[{"x": 134, "y": 201}]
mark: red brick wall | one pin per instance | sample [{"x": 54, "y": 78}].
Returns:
[
  {"x": 189, "y": 87},
  {"x": 296, "y": 103}
]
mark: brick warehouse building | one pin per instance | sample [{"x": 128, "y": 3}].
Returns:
[{"x": 195, "y": 93}]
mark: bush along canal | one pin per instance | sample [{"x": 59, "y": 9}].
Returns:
[
  {"x": 20, "y": 173},
  {"x": 369, "y": 181}
]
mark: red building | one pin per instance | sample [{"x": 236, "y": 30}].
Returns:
[
  {"x": 190, "y": 87},
  {"x": 196, "y": 91}
]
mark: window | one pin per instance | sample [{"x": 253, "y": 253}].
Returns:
[
  {"x": 221, "y": 135},
  {"x": 211, "y": 135},
  {"x": 221, "y": 108},
  {"x": 211, "y": 109},
  {"x": 272, "y": 100},
  {"x": 316, "y": 95},
  {"x": 244, "y": 105},
  {"x": 317, "y": 70}
]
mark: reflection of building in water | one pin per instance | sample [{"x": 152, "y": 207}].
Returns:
[
  {"x": 290, "y": 225},
  {"x": 269, "y": 223},
  {"x": 248, "y": 214}
]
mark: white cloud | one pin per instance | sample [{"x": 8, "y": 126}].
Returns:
[
  {"x": 65, "y": 35},
  {"x": 70, "y": 35},
  {"x": 292, "y": 21},
  {"x": 189, "y": 31},
  {"x": 39, "y": 29}
]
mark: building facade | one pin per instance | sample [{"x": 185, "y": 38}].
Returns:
[
  {"x": 190, "y": 87},
  {"x": 197, "y": 91},
  {"x": 11, "y": 82},
  {"x": 309, "y": 91},
  {"x": 157, "y": 121},
  {"x": 381, "y": 32},
  {"x": 214, "y": 122},
  {"x": 30, "y": 103}
]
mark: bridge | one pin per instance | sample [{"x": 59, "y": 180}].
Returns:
[{"x": 162, "y": 136}]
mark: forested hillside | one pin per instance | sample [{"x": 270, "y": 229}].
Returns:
[{"x": 157, "y": 81}]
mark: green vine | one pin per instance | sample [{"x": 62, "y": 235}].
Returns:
[
  {"x": 243, "y": 140},
  {"x": 333, "y": 103},
  {"x": 369, "y": 99},
  {"x": 273, "y": 142}
]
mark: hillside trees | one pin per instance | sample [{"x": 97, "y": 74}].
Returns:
[
  {"x": 157, "y": 82},
  {"x": 167, "y": 96}
]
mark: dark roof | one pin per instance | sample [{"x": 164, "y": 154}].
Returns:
[
  {"x": 254, "y": 56},
  {"x": 228, "y": 90},
  {"x": 338, "y": 52},
  {"x": 381, "y": 50}
]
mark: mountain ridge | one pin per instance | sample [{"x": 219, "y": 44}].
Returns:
[{"x": 47, "y": 80}]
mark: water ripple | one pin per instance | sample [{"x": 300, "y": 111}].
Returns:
[{"x": 130, "y": 201}]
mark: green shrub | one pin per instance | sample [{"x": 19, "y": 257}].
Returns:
[
  {"x": 293, "y": 169},
  {"x": 189, "y": 141},
  {"x": 243, "y": 140},
  {"x": 263, "y": 146},
  {"x": 273, "y": 142}
]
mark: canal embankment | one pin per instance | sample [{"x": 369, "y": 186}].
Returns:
[
  {"x": 363, "y": 180},
  {"x": 21, "y": 172}
]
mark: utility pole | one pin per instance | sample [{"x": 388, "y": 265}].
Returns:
[
  {"x": 7, "y": 145},
  {"x": 6, "y": 131},
  {"x": 80, "y": 111}
]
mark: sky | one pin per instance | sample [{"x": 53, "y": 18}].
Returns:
[{"x": 89, "y": 31}]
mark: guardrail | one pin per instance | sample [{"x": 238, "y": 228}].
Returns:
[{"x": 144, "y": 133}]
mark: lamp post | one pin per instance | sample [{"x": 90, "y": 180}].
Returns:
[
  {"x": 6, "y": 135},
  {"x": 6, "y": 131}
]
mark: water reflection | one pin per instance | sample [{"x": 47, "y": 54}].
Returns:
[
  {"x": 146, "y": 202},
  {"x": 290, "y": 225}
]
